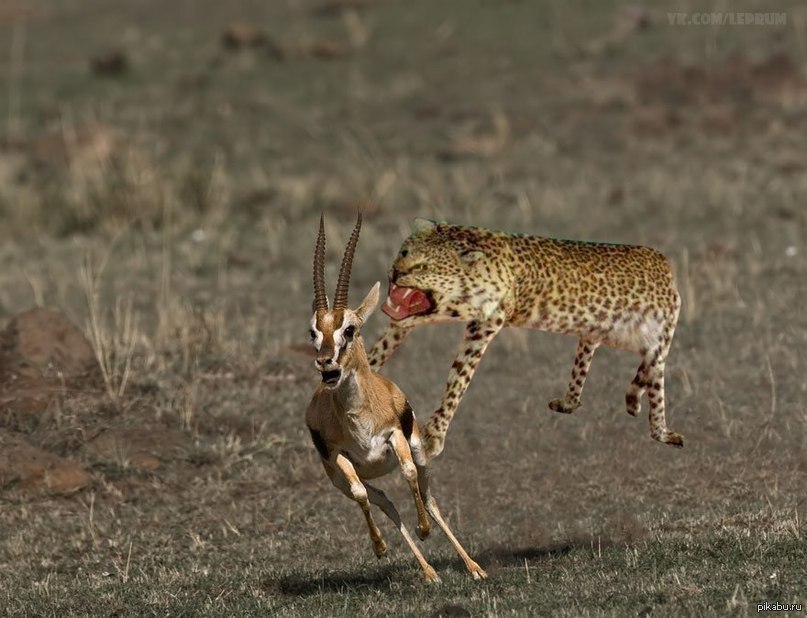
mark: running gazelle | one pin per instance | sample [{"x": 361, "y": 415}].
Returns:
[{"x": 360, "y": 422}]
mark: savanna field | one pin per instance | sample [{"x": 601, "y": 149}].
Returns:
[{"x": 163, "y": 167}]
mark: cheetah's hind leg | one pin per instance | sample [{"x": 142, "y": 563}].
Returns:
[
  {"x": 650, "y": 378},
  {"x": 582, "y": 362}
]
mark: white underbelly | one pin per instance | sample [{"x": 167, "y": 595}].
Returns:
[
  {"x": 374, "y": 459},
  {"x": 632, "y": 331},
  {"x": 635, "y": 333}
]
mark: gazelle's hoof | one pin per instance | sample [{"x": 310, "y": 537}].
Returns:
[
  {"x": 430, "y": 575},
  {"x": 672, "y": 438},
  {"x": 563, "y": 406},
  {"x": 423, "y": 531},
  {"x": 380, "y": 548},
  {"x": 477, "y": 571}
]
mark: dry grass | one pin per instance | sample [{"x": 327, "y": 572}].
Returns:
[{"x": 199, "y": 177}]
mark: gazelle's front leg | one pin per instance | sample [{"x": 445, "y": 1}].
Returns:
[
  {"x": 345, "y": 478},
  {"x": 408, "y": 468},
  {"x": 475, "y": 341},
  {"x": 582, "y": 362},
  {"x": 422, "y": 464},
  {"x": 389, "y": 341},
  {"x": 380, "y": 499}
]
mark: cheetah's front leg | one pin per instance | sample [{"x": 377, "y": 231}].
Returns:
[
  {"x": 474, "y": 343},
  {"x": 389, "y": 341},
  {"x": 582, "y": 362}
]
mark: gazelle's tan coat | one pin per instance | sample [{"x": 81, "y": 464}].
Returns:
[{"x": 360, "y": 422}]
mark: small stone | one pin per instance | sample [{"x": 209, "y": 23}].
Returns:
[
  {"x": 239, "y": 35},
  {"x": 43, "y": 342}
]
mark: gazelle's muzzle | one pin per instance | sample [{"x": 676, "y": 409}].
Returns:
[
  {"x": 331, "y": 378},
  {"x": 330, "y": 371}
]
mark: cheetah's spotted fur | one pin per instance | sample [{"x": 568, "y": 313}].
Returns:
[{"x": 621, "y": 295}]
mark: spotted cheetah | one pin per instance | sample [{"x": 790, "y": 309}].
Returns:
[{"x": 621, "y": 295}]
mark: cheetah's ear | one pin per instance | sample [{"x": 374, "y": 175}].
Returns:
[
  {"x": 420, "y": 224},
  {"x": 471, "y": 257}
]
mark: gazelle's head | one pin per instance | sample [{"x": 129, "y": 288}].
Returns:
[{"x": 335, "y": 331}]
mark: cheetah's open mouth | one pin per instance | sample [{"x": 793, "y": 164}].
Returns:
[{"x": 404, "y": 302}]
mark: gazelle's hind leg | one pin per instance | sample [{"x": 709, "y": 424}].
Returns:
[
  {"x": 421, "y": 461},
  {"x": 582, "y": 362},
  {"x": 377, "y": 497},
  {"x": 349, "y": 483}
]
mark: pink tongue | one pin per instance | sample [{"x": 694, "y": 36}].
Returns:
[{"x": 403, "y": 302}]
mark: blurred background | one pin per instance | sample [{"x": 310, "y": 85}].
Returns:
[{"x": 162, "y": 170}]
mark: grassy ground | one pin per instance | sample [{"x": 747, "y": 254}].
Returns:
[{"x": 191, "y": 185}]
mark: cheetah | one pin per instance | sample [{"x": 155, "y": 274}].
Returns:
[{"x": 621, "y": 295}]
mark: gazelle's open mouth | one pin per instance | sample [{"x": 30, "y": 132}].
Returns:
[
  {"x": 403, "y": 302},
  {"x": 331, "y": 378}
]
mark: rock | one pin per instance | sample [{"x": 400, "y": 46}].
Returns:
[
  {"x": 44, "y": 343},
  {"x": 109, "y": 64},
  {"x": 237, "y": 36},
  {"x": 327, "y": 50},
  {"x": 25, "y": 466},
  {"x": 144, "y": 461}
]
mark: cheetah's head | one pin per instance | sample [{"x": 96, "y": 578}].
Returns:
[{"x": 432, "y": 272}]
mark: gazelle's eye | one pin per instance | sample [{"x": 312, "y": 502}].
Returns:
[
  {"x": 313, "y": 334},
  {"x": 349, "y": 332}
]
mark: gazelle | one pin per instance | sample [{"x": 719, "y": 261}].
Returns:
[{"x": 360, "y": 422}]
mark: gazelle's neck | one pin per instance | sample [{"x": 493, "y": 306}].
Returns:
[{"x": 351, "y": 392}]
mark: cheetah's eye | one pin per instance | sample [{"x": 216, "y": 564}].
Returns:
[
  {"x": 349, "y": 332},
  {"x": 404, "y": 252}
]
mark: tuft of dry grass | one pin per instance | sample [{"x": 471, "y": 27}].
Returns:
[{"x": 114, "y": 343}]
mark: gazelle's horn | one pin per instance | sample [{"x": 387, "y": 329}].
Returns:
[
  {"x": 343, "y": 284},
  {"x": 320, "y": 299}
]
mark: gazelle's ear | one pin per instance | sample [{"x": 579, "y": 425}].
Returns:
[
  {"x": 369, "y": 303},
  {"x": 419, "y": 224}
]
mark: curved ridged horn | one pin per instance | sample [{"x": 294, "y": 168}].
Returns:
[
  {"x": 320, "y": 299},
  {"x": 343, "y": 284}
]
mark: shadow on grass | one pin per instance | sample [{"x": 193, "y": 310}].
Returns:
[
  {"x": 382, "y": 577},
  {"x": 515, "y": 556},
  {"x": 307, "y": 584}
]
